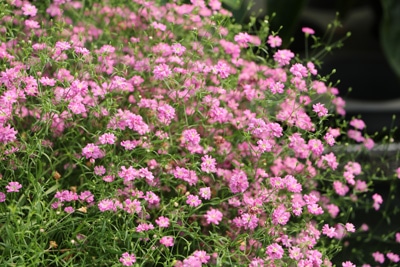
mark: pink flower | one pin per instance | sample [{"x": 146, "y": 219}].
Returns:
[
  {"x": 2, "y": 197},
  {"x": 7, "y": 134},
  {"x": 274, "y": 41},
  {"x": 213, "y": 216},
  {"x": 201, "y": 255},
  {"x": 329, "y": 231},
  {"x": 167, "y": 241},
  {"x": 378, "y": 257},
  {"x": 283, "y": 57},
  {"x": 350, "y": 227},
  {"x": 13, "y": 187},
  {"x": 162, "y": 71},
  {"x": 47, "y": 81},
  {"x": 143, "y": 227},
  {"x": 165, "y": 113},
  {"x": 238, "y": 182},
  {"x": 242, "y": 39},
  {"x": 307, "y": 30},
  {"x": 340, "y": 188},
  {"x": 398, "y": 172},
  {"x": 29, "y": 10},
  {"x": 109, "y": 205},
  {"x": 275, "y": 251},
  {"x": 320, "y": 110},
  {"x": 299, "y": 70},
  {"x": 127, "y": 259},
  {"x": 357, "y": 123},
  {"x": 132, "y": 207},
  {"x": 377, "y": 201},
  {"x": 280, "y": 215},
  {"x": 99, "y": 170},
  {"x": 193, "y": 200},
  {"x": 69, "y": 209},
  {"x": 162, "y": 222},
  {"x": 348, "y": 264},
  {"x": 398, "y": 237},
  {"x": 205, "y": 192},
  {"x": 107, "y": 138},
  {"x": 208, "y": 164},
  {"x": 92, "y": 151},
  {"x": 159, "y": 26},
  {"x": 86, "y": 196},
  {"x": 393, "y": 257}
]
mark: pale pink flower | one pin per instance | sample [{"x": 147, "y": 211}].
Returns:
[
  {"x": 274, "y": 41},
  {"x": 213, "y": 216},
  {"x": 162, "y": 222},
  {"x": 378, "y": 257},
  {"x": 13, "y": 187},
  {"x": 307, "y": 30},
  {"x": 127, "y": 259},
  {"x": 167, "y": 241},
  {"x": 275, "y": 251}
]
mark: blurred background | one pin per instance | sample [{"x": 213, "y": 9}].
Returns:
[{"x": 368, "y": 65}]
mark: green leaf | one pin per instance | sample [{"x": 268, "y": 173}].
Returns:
[{"x": 390, "y": 33}]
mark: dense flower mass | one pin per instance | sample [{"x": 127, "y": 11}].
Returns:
[{"x": 139, "y": 132}]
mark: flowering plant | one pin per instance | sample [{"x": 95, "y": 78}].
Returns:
[{"x": 147, "y": 134}]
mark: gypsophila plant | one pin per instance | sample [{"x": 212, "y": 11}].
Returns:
[{"x": 136, "y": 133}]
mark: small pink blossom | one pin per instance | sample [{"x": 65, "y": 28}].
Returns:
[
  {"x": 127, "y": 259},
  {"x": 393, "y": 257},
  {"x": 107, "y": 138},
  {"x": 208, "y": 164},
  {"x": 320, "y": 109},
  {"x": 13, "y": 187},
  {"x": 283, "y": 57},
  {"x": 29, "y": 10},
  {"x": 378, "y": 257},
  {"x": 350, "y": 227},
  {"x": 275, "y": 251},
  {"x": 274, "y": 41},
  {"x": 2, "y": 197},
  {"x": 329, "y": 231},
  {"x": 307, "y": 30},
  {"x": 213, "y": 216},
  {"x": 205, "y": 192},
  {"x": 193, "y": 200},
  {"x": 167, "y": 241},
  {"x": 348, "y": 264},
  {"x": 162, "y": 222}
]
